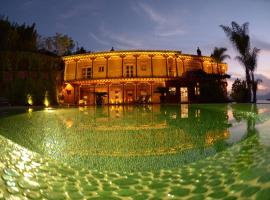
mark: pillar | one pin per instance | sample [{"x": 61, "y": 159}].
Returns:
[
  {"x": 151, "y": 91},
  {"x": 74, "y": 94},
  {"x": 123, "y": 93},
  {"x": 107, "y": 65},
  {"x": 166, "y": 59},
  {"x": 212, "y": 66},
  {"x": 79, "y": 93},
  {"x": 94, "y": 94},
  {"x": 202, "y": 64},
  {"x": 176, "y": 67},
  {"x": 108, "y": 93},
  {"x": 76, "y": 68},
  {"x": 93, "y": 58},
  {"x": 122, "y": 56},
  {"x": 136, "y": 67},
  {"x": 136, "y": 90},
  {"x": 183, "y": 62},
  {"x": 151, "y": 56}
]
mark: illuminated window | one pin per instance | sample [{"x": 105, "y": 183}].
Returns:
[
  {"x": 129, "y": 71},
  {"x": 172, "y": 90},
  {"x": 101, "y": 69},
  {"x": 197, "y": 89},
  {"x": 86, "y": 72}
]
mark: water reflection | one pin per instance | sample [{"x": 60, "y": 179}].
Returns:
[
  {"x": 101, "y": 135},
  {"x": 247, "y": 113}
]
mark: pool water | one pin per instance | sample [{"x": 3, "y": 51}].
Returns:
[{"x": 137, "y": 152}]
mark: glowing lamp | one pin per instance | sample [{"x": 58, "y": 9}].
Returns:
[{"x": 29, "y": 99}]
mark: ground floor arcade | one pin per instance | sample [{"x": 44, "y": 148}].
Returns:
[{"x": 127, "y": 91}]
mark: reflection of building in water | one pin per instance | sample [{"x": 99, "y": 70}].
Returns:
[
  {"x": 184, "y": 110},
  {"x": 149, "y": 130},
  {"x": 136, "y": 76}
]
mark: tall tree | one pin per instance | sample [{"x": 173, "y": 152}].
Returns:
[
  {"x": 252, "y": 65},
  {"x": 219, "y": 55},
  {"x": 59, "y": 44},
  {"x": 239, "y": 36},
  {"x": 14, "y": 37}
]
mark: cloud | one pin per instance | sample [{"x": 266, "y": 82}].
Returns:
[
  {"x": 165, "y": 25},
  {"x": 263, "y": 45},
  {"x": 169, "y": 33},
  {"x": 152, "y": 14},
  {"x": 109, "y": 38},
  {"x": 79, "y": 9},
  {"x": 99, "y": 40},
  {"x": 120, "y": 40}
]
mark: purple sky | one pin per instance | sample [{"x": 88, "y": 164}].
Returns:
[{"x": 151, "y": 24}]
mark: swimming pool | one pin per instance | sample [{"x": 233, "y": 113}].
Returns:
[{"x": 140, "y": 152}]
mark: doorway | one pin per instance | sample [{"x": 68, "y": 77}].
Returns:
[{"x": 184, "y": 94}]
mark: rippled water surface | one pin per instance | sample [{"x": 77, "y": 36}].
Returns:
[{"x": 184, "y": 151}]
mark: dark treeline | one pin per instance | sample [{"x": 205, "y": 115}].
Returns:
[
  {"x": 28, "y": 71},
  {"x": 15, "y": 37}
]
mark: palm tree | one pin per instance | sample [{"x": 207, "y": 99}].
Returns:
[
  {"x": 219, "y": 56},
  {"x": 252, "y": 65},
  {"x": 240, "y": 39}
]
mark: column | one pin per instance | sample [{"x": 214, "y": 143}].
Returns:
[
  {"x": 107, "y": 64},
  {"x": 151, "y": 91},
  {"x": 65, "y": 72},
  {"x": 136, "y": 90},
  {"x": 212, "y": 66},
  {"x": 94, "y": 94},
  {"x": 166, "y": 58},
  {"x": 136, "y": 67},
  {"x": 123, "y": 92},
  {"x": 108, "y": 92},
  {"x": 151, "y": 56},
  {"x": 202, "y": 64},
  {"x": 122, "y": 56},
  {"x": 176, "y": 67},
  {"x": 93, "y": 58},
  {"x": 183, "y": 62},
  {"x": 76, "y": 68},
  {"x": 79, "y": 91},
  {"x": 74, "y": 94}
]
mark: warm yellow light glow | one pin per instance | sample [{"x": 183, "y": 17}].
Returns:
[
  {"x": 46, "y": 99},
  {"x": 69, "y": 123},
  {"x": 49, "y": 109},
  {"x": 68, "y": 87},
  {"x": 46, "y": 102},
  {"x": 30, "y": 110},
  {"x": 29, "y": 99}
]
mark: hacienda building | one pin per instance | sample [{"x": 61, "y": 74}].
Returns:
[{"x": 136, "y": 76}]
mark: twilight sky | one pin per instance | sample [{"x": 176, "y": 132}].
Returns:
[{"x": 151, "y": 24}]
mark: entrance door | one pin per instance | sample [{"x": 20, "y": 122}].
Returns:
[
  {"x": 129, "y": 97},
  {"x": 184, "y": 94}
]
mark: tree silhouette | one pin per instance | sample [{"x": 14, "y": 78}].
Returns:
[
  {"x": 219, "y": 56},
  {"x": 239, "y": 36}
]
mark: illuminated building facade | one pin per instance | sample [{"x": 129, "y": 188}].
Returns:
[{"x": 136, "y": 76}]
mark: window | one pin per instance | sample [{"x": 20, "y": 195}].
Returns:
[
  {"x": 129, "y": 71},
  {"x": 101, "y": 69},
  {"x": 86, "y": 72},
  {"x": 172, "y": 90},
  {"x": 197, "y": 89}
]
